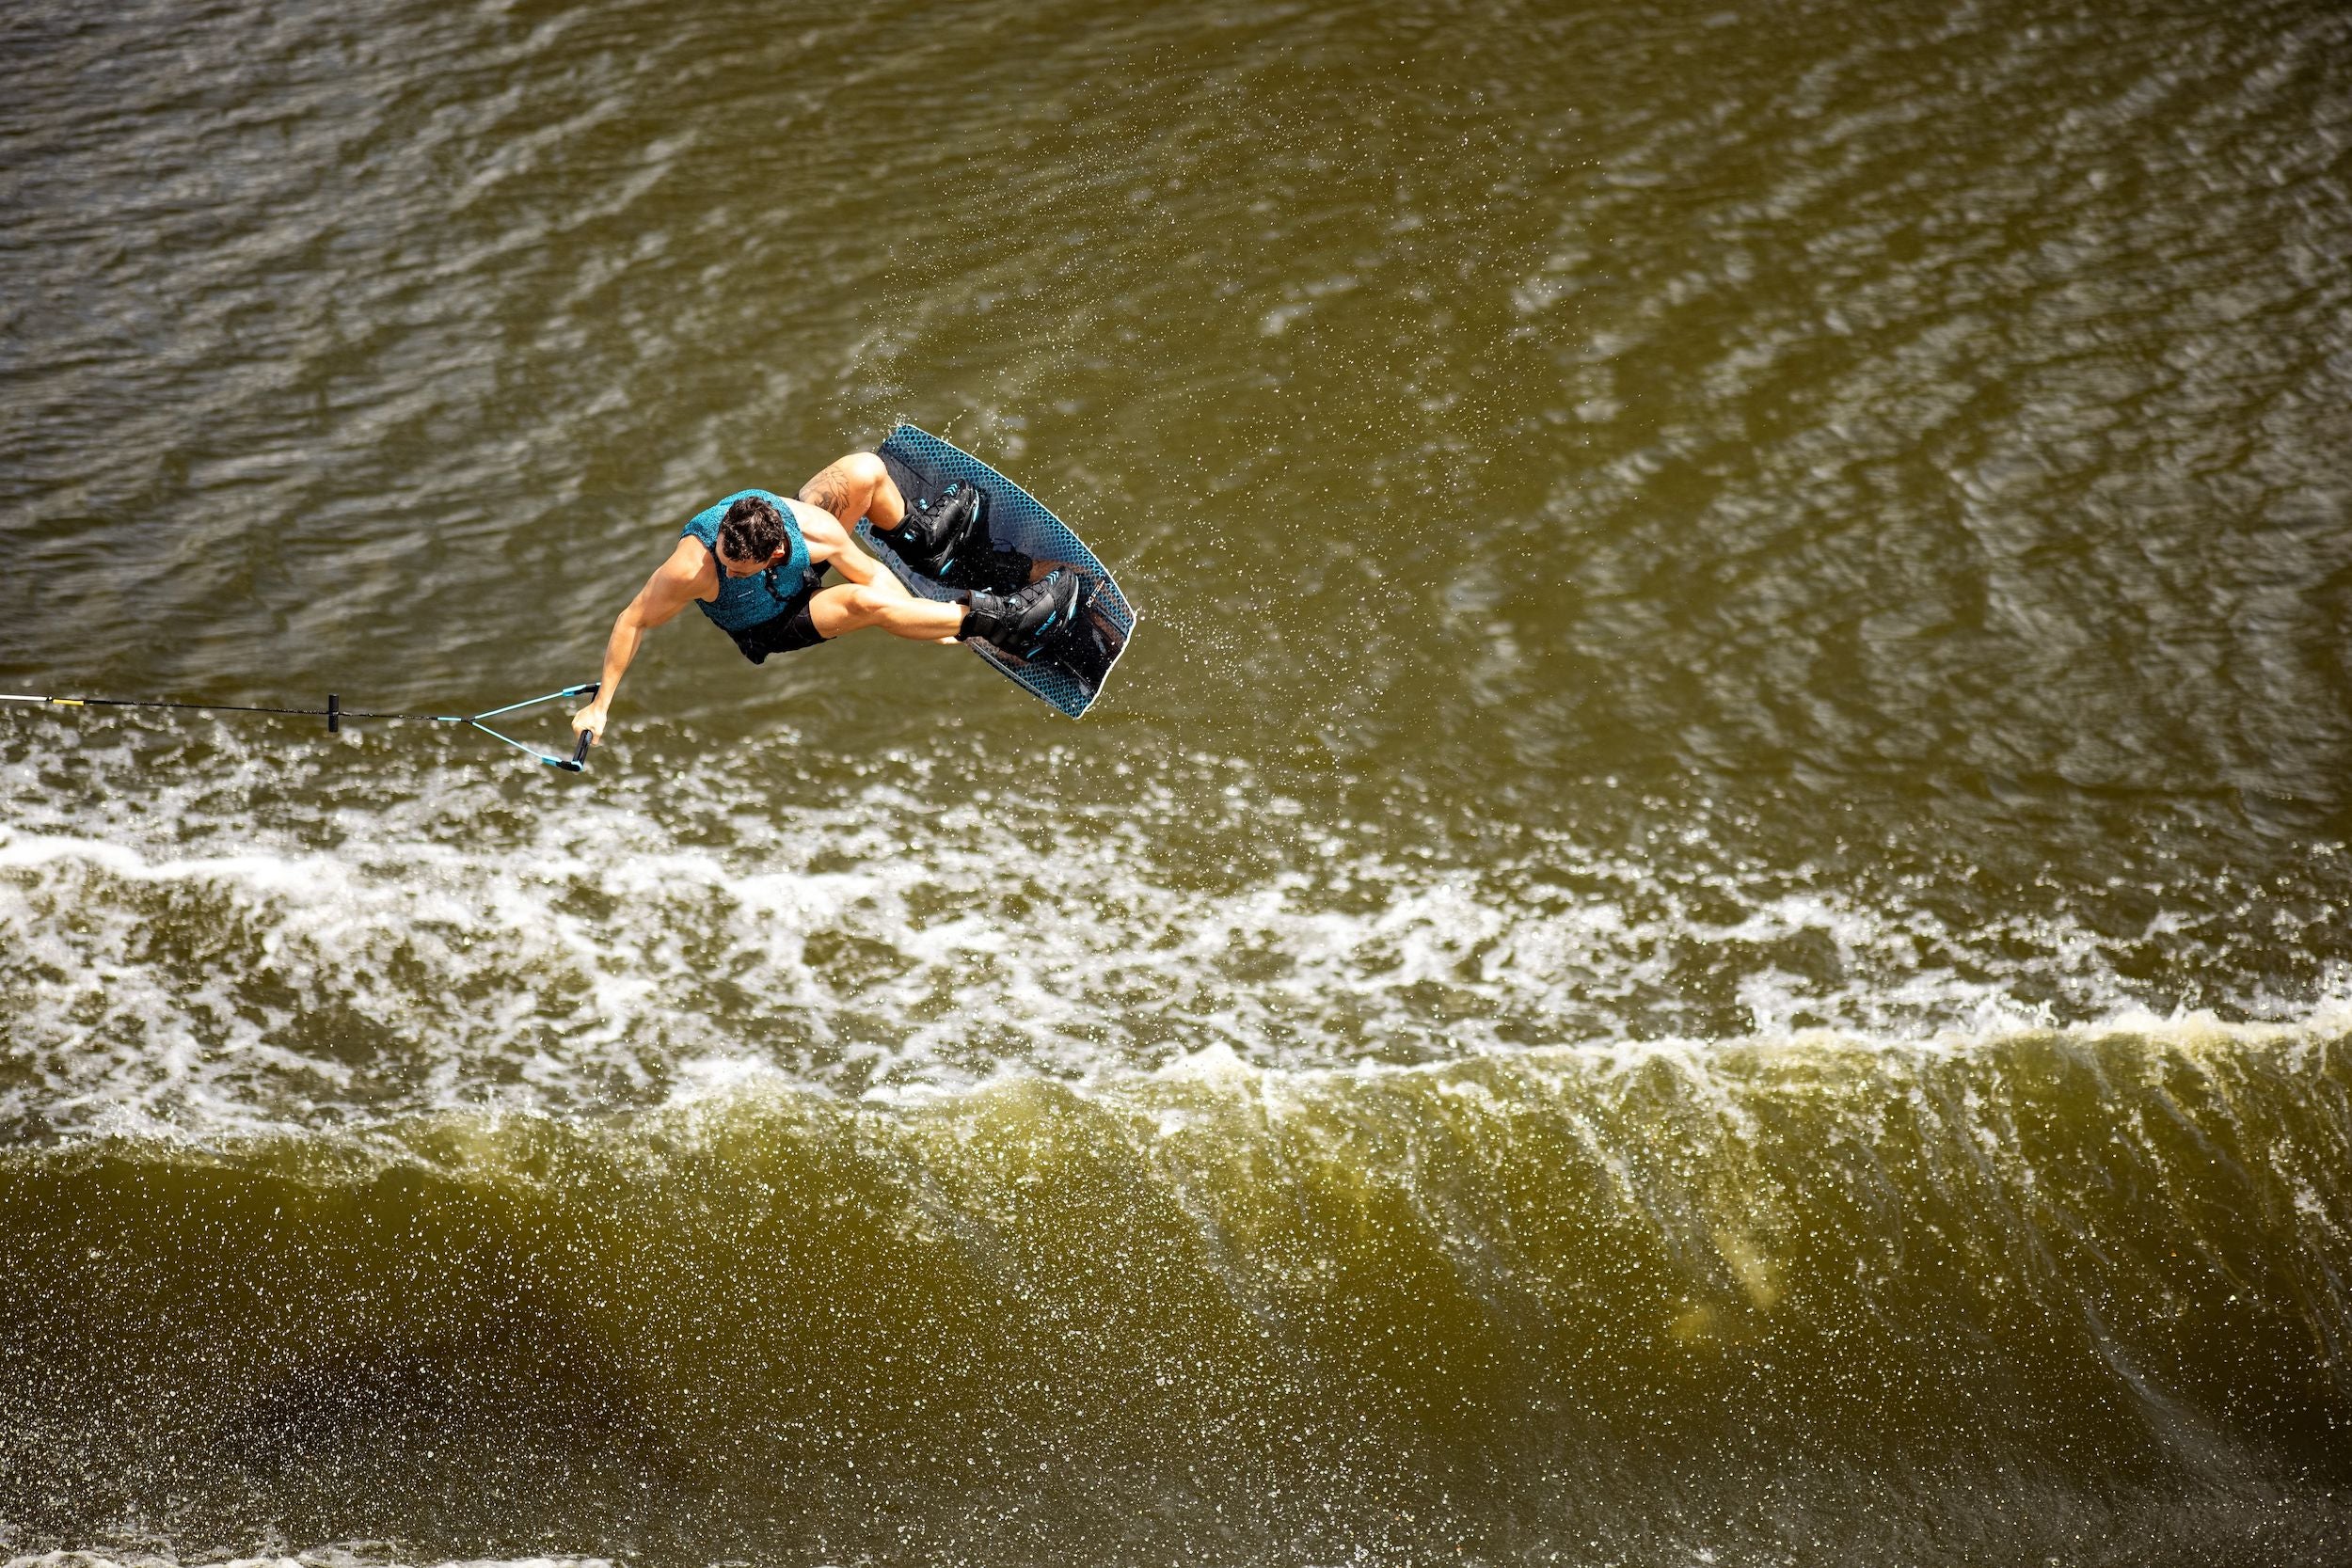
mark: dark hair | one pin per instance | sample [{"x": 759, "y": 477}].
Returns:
[{"x": 753, "y": 530}]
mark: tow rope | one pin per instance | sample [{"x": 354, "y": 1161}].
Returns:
[{"x": 334, "y": 713}]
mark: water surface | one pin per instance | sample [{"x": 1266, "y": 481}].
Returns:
[{"x": 1707, "y": 919}]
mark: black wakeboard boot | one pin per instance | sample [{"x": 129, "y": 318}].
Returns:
[
  {"x": 934, "y": 543},
  {"x": 1025, "y": 623}
]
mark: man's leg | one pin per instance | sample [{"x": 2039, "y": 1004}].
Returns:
[
  {"x": 1019, "y": 623},
  {"x": 856, "y": 487},
  {"x": 848, "y": 606}
]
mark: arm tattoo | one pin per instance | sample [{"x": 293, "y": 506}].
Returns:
[{"x": 824, "y": 492}]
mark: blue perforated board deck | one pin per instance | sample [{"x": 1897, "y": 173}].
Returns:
[{"x": 1026, "y": 540}]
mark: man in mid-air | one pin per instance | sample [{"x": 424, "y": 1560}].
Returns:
[{"x": 755, "y": 563}]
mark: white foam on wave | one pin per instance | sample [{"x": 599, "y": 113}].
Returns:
[
  {"x": 418, "y": 943},
  {"x": 359, "y": 1554}
]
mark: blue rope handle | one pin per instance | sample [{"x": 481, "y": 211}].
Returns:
[
  {"x": 576, "y": 762},
  {"x": 334, "y": 713}
]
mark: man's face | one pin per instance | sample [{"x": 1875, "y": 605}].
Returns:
[{"x": 735, "y": 569}]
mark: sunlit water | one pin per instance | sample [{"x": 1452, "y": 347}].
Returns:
[{"x": 1707, "y": 924}]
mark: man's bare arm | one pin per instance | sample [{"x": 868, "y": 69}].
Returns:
[{"x": 687, "y": 575}]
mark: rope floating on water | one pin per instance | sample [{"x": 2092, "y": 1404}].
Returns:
[{"x": 334, "y": 713}]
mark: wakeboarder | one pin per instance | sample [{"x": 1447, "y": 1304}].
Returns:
[{"x": 755, "y": 561}]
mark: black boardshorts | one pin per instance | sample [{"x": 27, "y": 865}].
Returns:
[{"x": 788, "y": 632}]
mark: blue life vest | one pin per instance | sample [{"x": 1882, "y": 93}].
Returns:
[{"x": 747, "y": 602}]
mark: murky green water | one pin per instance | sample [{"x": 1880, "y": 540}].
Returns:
[{"x": 1705, "y": 922}]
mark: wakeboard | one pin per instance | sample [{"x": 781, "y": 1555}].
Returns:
[{"x": 1025, "y": 541}]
